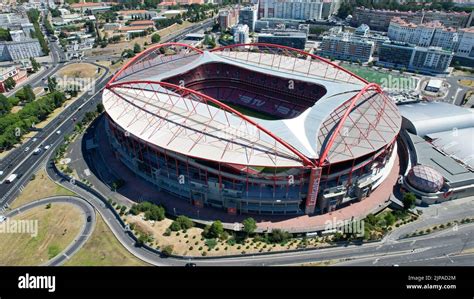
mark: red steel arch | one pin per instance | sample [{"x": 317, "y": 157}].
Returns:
[
  {"x": 307, "y": 162},
  {"x": 316, "y": 57},
  {"x": 151, "y": 49},
  {"x": 352, "y": 101}
]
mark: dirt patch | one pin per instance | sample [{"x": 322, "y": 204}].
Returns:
[
  {"x": 17, "y": 249},
  {"x": 78, "y": 70},
  {"x": 191, "y": 242},
  {"x": 40, "y": 187}
]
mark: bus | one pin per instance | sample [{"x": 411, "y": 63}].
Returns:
[{"x": 11, "y": 178}]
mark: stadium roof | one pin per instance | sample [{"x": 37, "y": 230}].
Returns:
[{"x": 352, "y": 119}]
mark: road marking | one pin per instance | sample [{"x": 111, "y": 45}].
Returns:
[
  {"x": 66, "y": 119},
  {"x": 375, "y": 261}
]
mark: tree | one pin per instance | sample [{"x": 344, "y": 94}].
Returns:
[
  {"x": 279, "y": 236},
  {"x": 52, "y": 84},
  {"x": 409, "y": 200},
  {"x": 167, "y": 250},
  {"x": 249, "y": 225},
  {"x": 389, "y": 219},
  {"x": 128, "y": 53},
  {"x": 137, "y": 48},
  {"x": 100, "y": 108},
  {"x": 214, "y": 230},
  {"x": 34, "y": 64},
  {"x": 175, "y": 226},
  {"x": 5, "y": 35},
  {"x": 5, "y": 105},
  {"x": 344, "y": 10},
  {"x": 184, "y": 222},
  {"x": 371, "y": 219},
  {"x": 26, "y": 94},
  {"x": 155, "y": 38},
  {"x": 9, "y": 84}
]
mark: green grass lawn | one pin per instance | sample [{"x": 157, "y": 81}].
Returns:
[{"x": 372, "y": 75}]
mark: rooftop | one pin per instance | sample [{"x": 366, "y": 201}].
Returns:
[
  {"x": 454, "y": 172},
  {"x": 424, "y": 118}
]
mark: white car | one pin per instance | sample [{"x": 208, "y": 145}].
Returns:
[
  {"x": 27, "y": 149},
  {"x": 47, "y": 147},
  {"x": 1, "y": 172},
  {"x": 2, "y": 218},
  {"x": 58, "y": 132},
  {"x": 34, "y": 139},
  {"x": 37, "y": 151}
]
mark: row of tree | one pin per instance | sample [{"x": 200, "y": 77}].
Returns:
[
  {"x": 34, "y": 16},
  {"x": 14, "y": 125}
]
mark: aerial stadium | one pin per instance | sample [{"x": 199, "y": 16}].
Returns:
[{"x": 251, "y": 128}]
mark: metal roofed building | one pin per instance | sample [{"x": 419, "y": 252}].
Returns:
[
  {"x": 445, "y": 142},
  {"x": 425, "y": 118},
  {"x": 458, "y": 143},
  {"x": 459, "y": 178},
  {"x": 255, "y": 128}
]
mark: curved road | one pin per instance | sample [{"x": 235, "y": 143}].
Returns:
[
  {"x": 402, "y": 251},
  {"x": 82, "y": 237}
]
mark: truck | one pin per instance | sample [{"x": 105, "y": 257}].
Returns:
[{"x": 11, "y": 178}]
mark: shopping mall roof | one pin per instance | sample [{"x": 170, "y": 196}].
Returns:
[
  {"x": 458, "y": 144},
  {"x": 424, "y": 118},
  {"x": 454, "y": 172}
]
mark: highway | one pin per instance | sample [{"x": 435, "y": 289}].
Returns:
[
  {"x": 429, "y": 249},
  {"x": 26, "y": 163},
  {"x": 87, "y": 229},
  {"x": 425, "y": 250},
  {"x": 19, "y": 153}
]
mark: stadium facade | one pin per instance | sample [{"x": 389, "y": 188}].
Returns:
[{"x": 254, "y": 128}]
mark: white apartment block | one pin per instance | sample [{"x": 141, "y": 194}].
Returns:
[
  {"x": 241, "y": 34},
  {"x": 291, "y": 9},
  {"x": 433, "y": 34},
  {"x": 465, "y": 46}
]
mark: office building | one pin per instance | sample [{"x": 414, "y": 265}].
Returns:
[
  {"x": 291, "y": 9},
  {"x": 241, "y": 34},
  {"x": 248, "y": 16},
  {"x": 294, "y": 39},
  {"x": 431, "y": 60}
]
